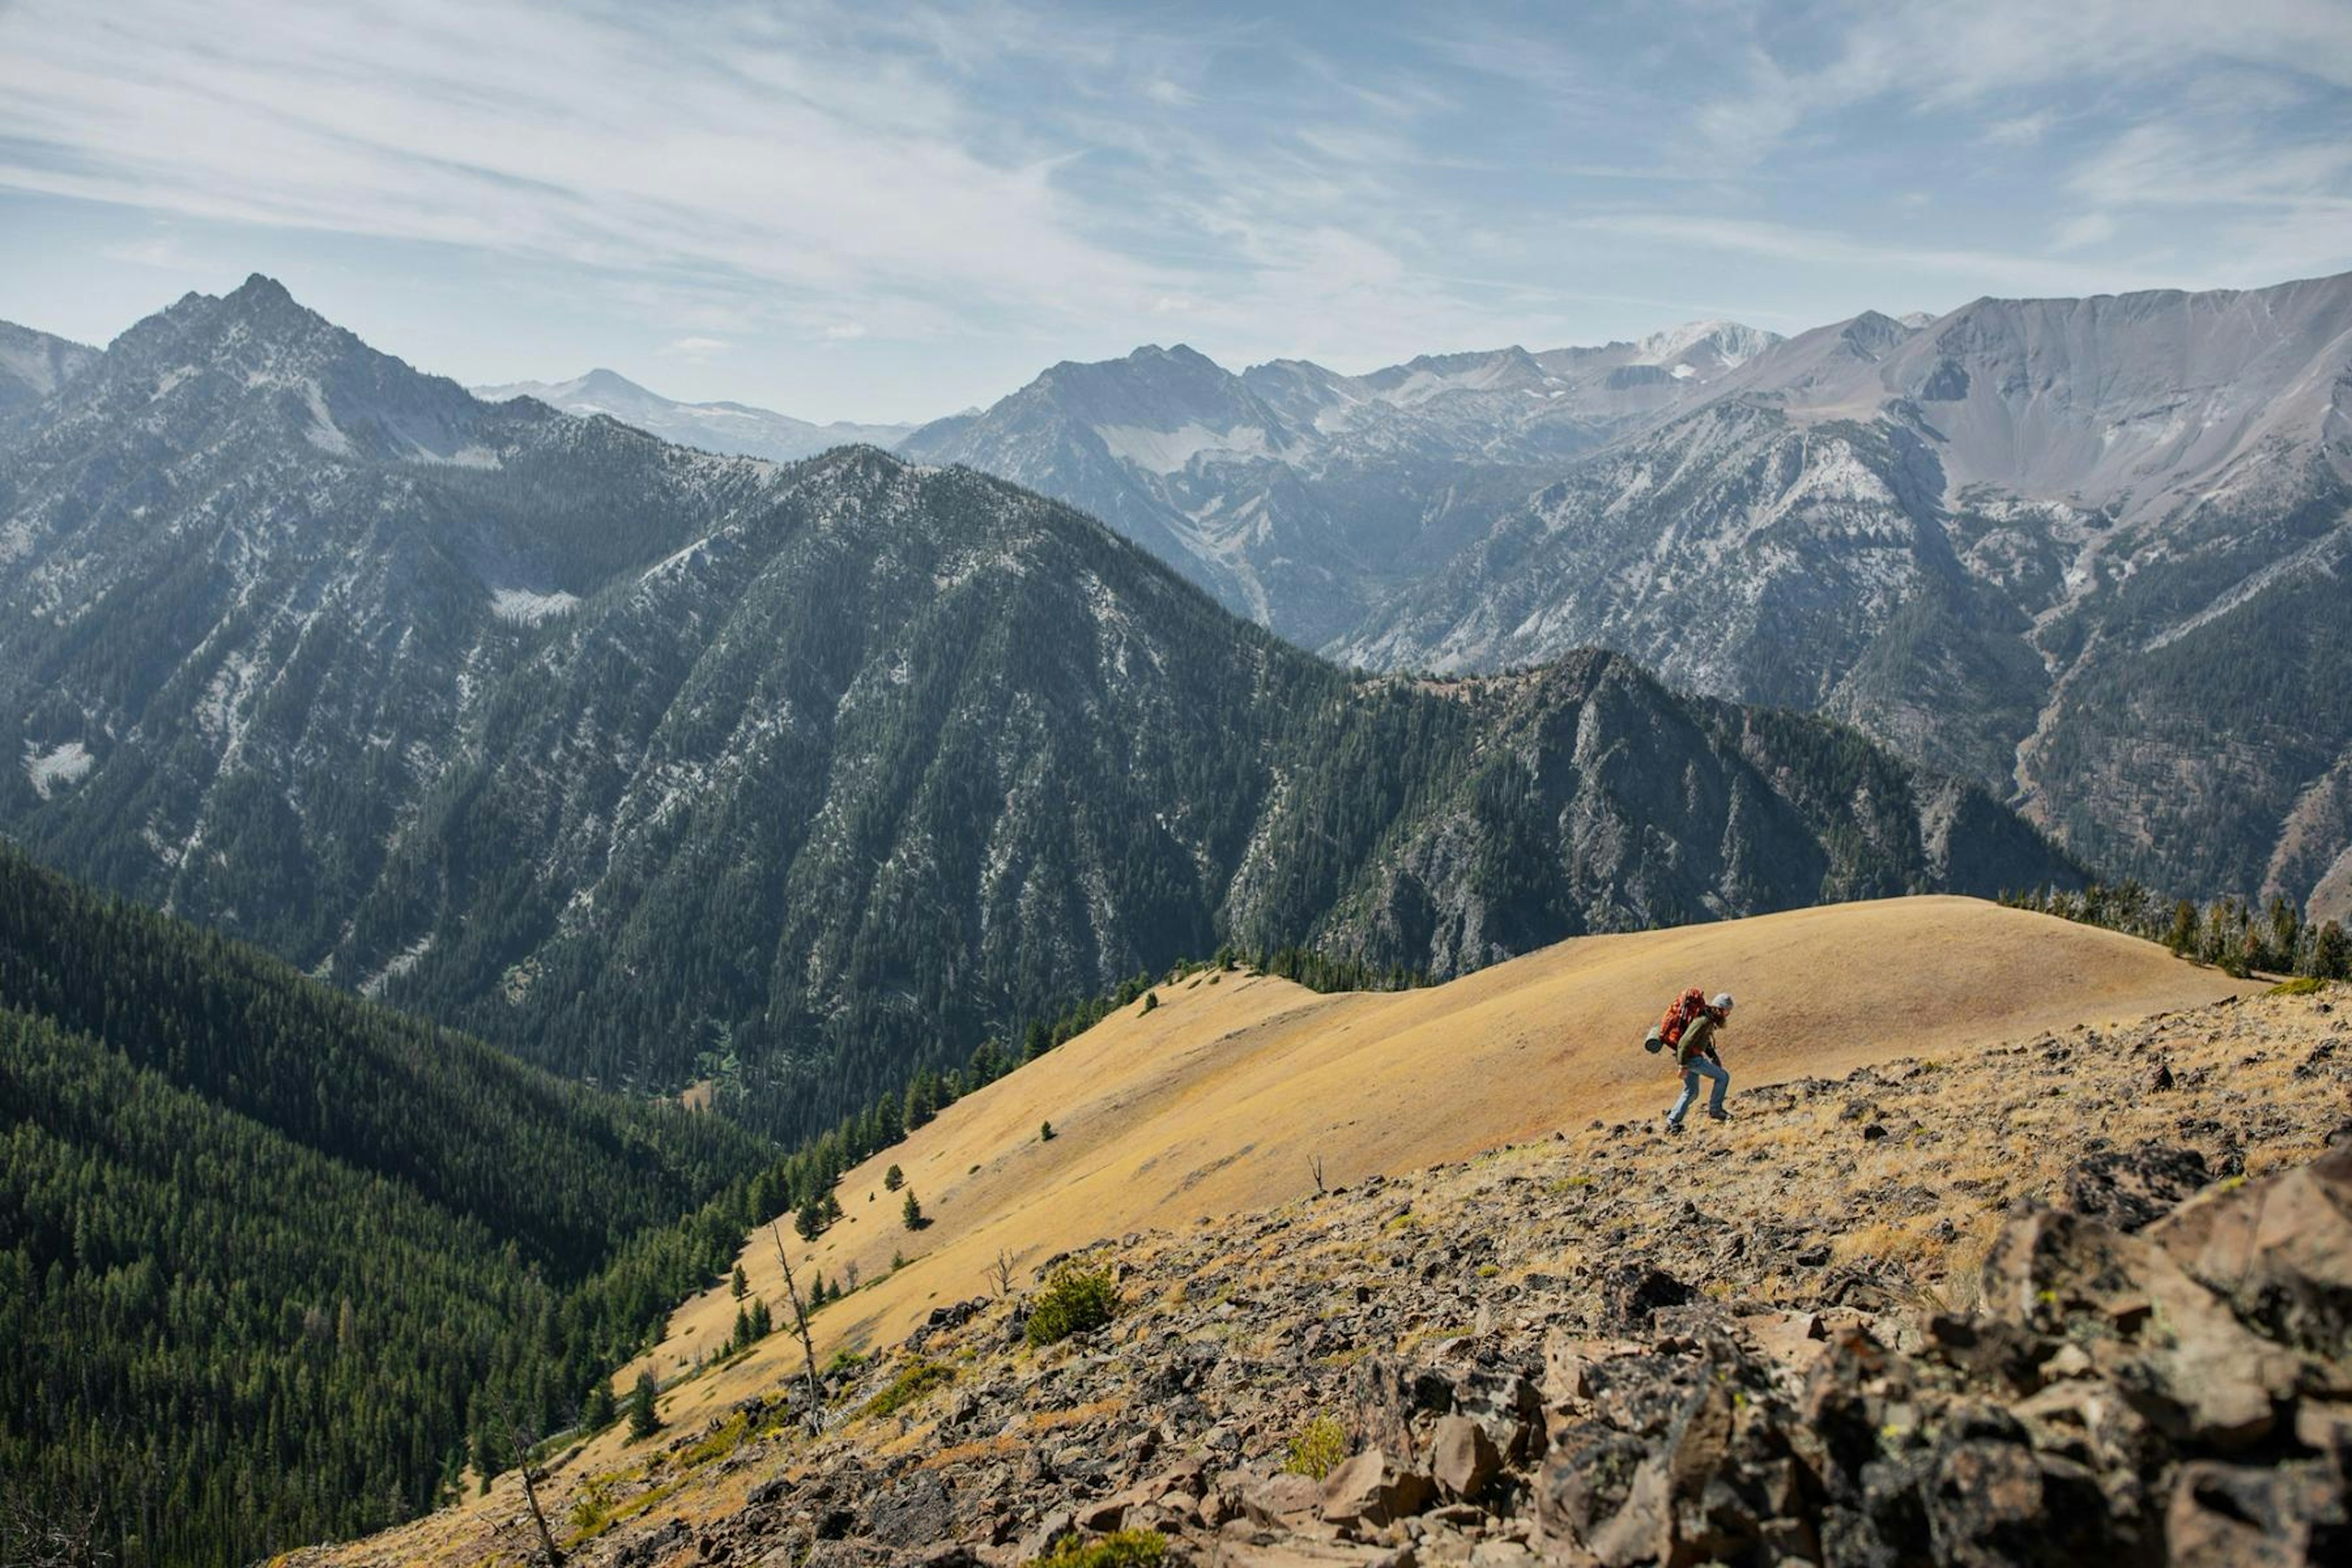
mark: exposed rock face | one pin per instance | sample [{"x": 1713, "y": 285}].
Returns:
[
  {"x": 2084, "y": 548},
  {"x": 1300, "y": 496},
  {"x": 2180, "y": 1393}
]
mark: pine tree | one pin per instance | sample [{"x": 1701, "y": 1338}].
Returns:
[
  {"x": 893, "y": 1179},
  {"x": 2285, "y": 934},
  {"x": 2331, "y": 952},
  {"x": 742, "y": 1282},
  {"x": 2182, "y": 938},
  {"x": 597, "y": 1410},
  {"x": 644, "y": 1419},
  {"x": 912, "y": 1214},
  {"x": 1046, "y": 1133}
]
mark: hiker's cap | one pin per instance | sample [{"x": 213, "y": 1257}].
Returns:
[{"x": 1723, "y": 1001}]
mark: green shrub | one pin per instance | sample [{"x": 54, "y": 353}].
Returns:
[
  {"x": 2301, "y": 985},
  {"x": 915, "y": 1379},
  {"x": 1121, "y": 1548},
  {"x": 1074, "y": 1299},
  {"x": 1320, "y": 1448}
]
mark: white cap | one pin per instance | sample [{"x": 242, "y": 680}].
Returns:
[{"x": 1722, "y": 1001}]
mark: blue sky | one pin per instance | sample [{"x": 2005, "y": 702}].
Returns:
[{"x": 879, "y": 211}]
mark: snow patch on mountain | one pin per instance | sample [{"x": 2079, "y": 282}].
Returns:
[
  {"x": 1731, "y": 343},
  {"x": 1171, "y": 451},
  {"x": 57, "y": 768},
  {"x": 524, "y": 607}
]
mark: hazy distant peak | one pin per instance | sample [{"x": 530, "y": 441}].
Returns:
[
  {"x": 739, "y": 428},
  {"x": 32, "y": 365},
  {"x": 1733, "y": 343}
]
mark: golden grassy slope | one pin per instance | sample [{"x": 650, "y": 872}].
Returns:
[{"x": 1214, "y": 1102}]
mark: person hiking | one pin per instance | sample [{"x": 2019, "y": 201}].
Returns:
[{"x": 1691, "y": 1025}]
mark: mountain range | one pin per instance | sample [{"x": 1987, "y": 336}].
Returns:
[
  {"x": 1303, "y": 498},
  {"x": 662, "y": 767},
  {"x": 2085, "y": 551},
  {"x": 731, "y": 427}
]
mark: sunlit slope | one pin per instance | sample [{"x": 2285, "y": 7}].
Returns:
[{"x": 1219, "y": 1098}]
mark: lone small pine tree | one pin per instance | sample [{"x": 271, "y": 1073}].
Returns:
[
  {"x": 912, "y": 1214},
  {"x": 741, "y": 1283},
  {"x": 644, "y": 1419},
  {"x": 893, "y": 1178},
  {"x": 1045, "y": 1132}
]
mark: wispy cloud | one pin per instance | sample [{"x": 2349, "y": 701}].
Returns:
[{"x": 973, "y": 186}]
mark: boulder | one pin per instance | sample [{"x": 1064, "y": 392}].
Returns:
[
  {"x": 1283, "y": 1500},
  {"x": 1629, "y": 1293},
  {"x": 918, "y": 1509},
  {"x": 1373, "y": 1489},
  {"x": 1991, "y": 1501},
  {"x": 2241, "y": 1516},
  {"x": 2200, "y": 1374},
  {"x": 2280, "y": 1249},
  {"x": 1463, "y": 1459},
  {"x": 2131, "y": 1189}
]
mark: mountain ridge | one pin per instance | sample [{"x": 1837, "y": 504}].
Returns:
[
  {"x": 2084, "y": 641},
  {"x": 663, "y": 767},
  {"x": 34, "y": 364},
  {"x": 737, "y": 430}
]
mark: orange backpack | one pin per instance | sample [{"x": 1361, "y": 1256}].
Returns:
[{"x": 1686, "y": 1008}]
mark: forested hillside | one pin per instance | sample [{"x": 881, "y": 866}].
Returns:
[{"x": 273, "y": 1260}]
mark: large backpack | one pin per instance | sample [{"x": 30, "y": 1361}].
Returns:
[{"x": 1686, "y": 1008}]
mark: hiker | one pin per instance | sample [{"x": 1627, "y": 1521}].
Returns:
[{"x": 1689, "y": 1027}]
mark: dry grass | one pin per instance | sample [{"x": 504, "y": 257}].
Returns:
[{"x": 1213, "y": 1103}]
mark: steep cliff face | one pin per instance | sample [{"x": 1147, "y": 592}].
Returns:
[
  {"x": 2081, "y": 550},
  {"x": 666, "y": 767}
]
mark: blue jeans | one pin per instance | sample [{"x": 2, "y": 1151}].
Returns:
[{"x": 1696, "y": 1068}]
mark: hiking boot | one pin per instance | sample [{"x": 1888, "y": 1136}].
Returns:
[
  {"x": 1718, "y": 1116},
  {"x": 1673, "y": 1126}
]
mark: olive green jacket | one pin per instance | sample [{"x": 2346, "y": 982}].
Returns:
[{"x": 1698, "y": 1040}]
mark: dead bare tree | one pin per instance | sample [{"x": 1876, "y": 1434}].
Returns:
[
  {"x": 524, "y": 1439},
  {"x": 1315, "y": 1162},
  {"x": 999, "y": 1273},
  {"x": 808, "y": 1345},
  {"x": 56, "y": 1533}
]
